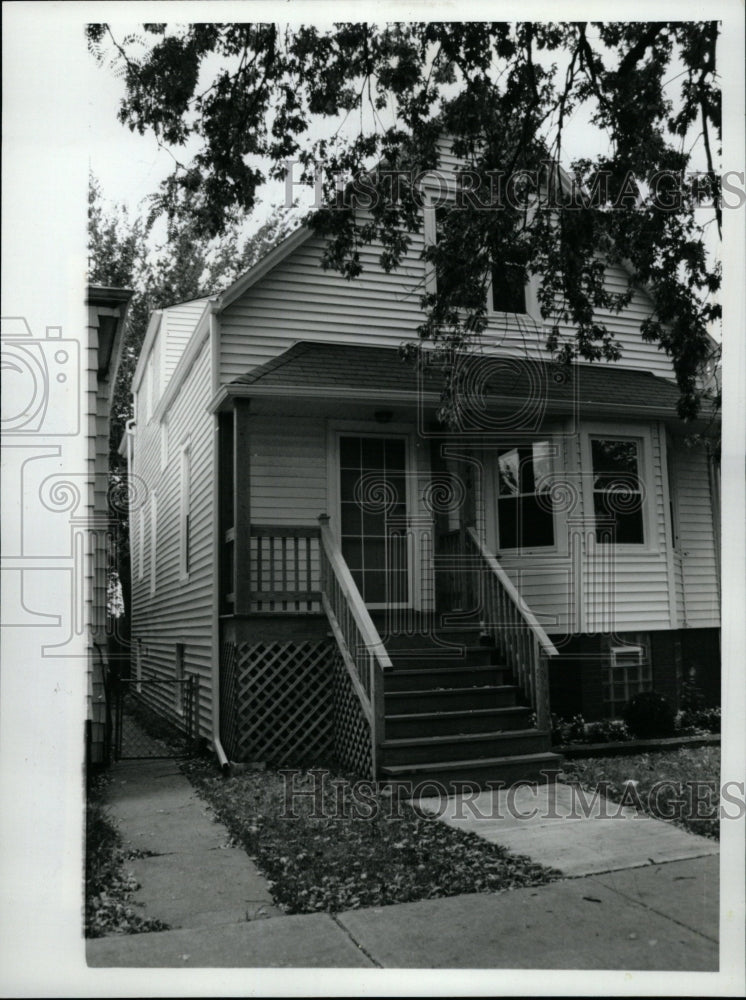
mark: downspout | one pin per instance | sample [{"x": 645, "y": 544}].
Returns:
[
  {"x": 714, "y": 484},
  {"x": 225, "y": 764}
]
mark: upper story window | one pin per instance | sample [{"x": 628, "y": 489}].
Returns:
[
  {"x": 617, "y": 491},
  {"x": 506, "y": 291},
  {"x": 524, "y": 506}
]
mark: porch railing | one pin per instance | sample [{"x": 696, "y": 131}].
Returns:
[
  {"x": 360, "y": 645},
  {"x": 521, "y": 639},
  {"x": 283, "y": 570}
]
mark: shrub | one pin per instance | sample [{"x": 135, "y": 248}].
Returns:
[
  {"x": 698, "y": 720},
  {"x": 607, "y": 731},
  {"x": 648, "y": 714}
]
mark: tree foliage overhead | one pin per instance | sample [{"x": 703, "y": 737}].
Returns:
[{"x": 243, "y": 99}]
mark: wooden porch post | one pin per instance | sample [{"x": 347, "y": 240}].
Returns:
[{"x": 242, "y": 506}]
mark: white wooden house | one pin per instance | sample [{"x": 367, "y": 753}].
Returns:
[
  {"x": 343, "y": 572},
  {"x": 107, "y": 311}
]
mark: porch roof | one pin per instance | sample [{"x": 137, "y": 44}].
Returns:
[{"x": 310, "y": 368}]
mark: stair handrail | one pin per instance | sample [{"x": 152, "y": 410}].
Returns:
[
  {"x": 539, "y": 649},
  {"x": 359, "y": 642}
]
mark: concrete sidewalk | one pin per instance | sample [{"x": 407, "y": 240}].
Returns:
[
  {"x": 650, "y": 904},
  {"x": 661, "y": 917},
  {"x": 190, "y": 876}
]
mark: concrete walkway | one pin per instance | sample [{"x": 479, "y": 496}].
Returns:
[
  {"x": 564, "y": 827},
  {"x": 191, "y": 876},
  {"x": 655, "y": 907}
]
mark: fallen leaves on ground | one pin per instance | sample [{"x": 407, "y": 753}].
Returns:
[{"x": 328, "y": 857}]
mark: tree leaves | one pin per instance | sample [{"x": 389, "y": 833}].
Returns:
[{"x": 490, "y": 88}]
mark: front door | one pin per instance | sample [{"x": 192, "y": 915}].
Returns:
[{"x": 373, "y": 517}]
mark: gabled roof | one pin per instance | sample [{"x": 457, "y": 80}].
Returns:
[{"x": 317, "y": 369}]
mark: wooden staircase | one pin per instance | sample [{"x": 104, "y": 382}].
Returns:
[{"x": 454, "y": 713}]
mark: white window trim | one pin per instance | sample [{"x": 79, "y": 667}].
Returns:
[
  {"x": 339, "y": 428},
  {"x": 153, "y": 540},
  {"x": 642, "y": 435},
  {"x": 185, "y": 490},
  {"x": 532, "y": 313},
  {"x": 556, "y": 458}
]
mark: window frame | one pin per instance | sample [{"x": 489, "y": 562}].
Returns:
[
  {"x": 555, "y": 459},
  {"x": 430, "y": 229},
  {"x": 644, "y": 667},
  {"x": 642, "y": 436}
]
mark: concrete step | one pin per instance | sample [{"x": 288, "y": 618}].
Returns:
[
  {"x": 409, "y": 679},
  {"x": 451, "y": 699},
  {"x": 476, "y": 720},
  {"x": 462, "y": 746},
  {"x": 426, "y": 780}
]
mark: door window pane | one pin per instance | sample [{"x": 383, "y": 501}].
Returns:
[{"x": 373, "y": 511}]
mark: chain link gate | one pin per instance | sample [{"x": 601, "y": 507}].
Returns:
[{"x": 154, "y": 717}]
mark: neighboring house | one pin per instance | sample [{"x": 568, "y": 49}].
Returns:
[
  {"x": 333, "y": 563},
  {"x": 107, "y": 310}
]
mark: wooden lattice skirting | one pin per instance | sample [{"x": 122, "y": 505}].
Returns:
[
  {"x": 289, "y": 703},
  {"x": 352, "y": 736},
  {"x": 283, "y": 699}
]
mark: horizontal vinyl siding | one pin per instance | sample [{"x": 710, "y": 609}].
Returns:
[
  {"x": 177, "y": 326},
  {"x": 696, "y": 538},
  {"x": 178, "y": 611},
  {"x": 299, "y": 300}
]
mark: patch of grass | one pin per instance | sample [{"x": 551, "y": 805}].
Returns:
[
  {"x": 348, "y": 845},
  {"x": 108, "y": 886},
  {"x": 681, "y": 786}
]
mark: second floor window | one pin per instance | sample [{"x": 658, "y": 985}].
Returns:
[{"x": 508, "y": 289}]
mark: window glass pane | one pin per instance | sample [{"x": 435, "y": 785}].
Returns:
[
  {"x": 349, "y": 452},
  {"x": 374, "y": 520},
  {"x": 395, "y": 487},
  {"x": 352, "y": 550},
  {"x": 395, "y": 454},
  {"x": 374, "y": 586},
  {"x": 537, "y": 524},
  {"x": 614, "y": 456},
  {"x": 508, "y": 466},
  {"x": 629, "y": 528},
  {"x": 372, "y": 453},
  {"x": 508, "y": 289},
  {"x": 542, "y": 465},
  {"x": 508, "y": 523},
  {"x": 348, "y": 480},
  {"x": 351, "y": 519},
  {"x": 615, "y": 526},
  {"x": 374, "y": 553}
]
